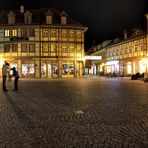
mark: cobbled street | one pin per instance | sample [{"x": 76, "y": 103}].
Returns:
[{"x": 76, "y": 113}]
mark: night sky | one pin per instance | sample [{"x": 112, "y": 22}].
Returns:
[{"x": 105, "y": 19}]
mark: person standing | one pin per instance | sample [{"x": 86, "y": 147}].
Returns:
[
  {"x": 5, "y": 72},
  {"x": 16, "y": 76}
]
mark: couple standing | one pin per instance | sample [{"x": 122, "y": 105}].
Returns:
[{"x": 6, "y": 72}]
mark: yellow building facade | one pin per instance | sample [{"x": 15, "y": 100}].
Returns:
[
  {"x": 123, "y": 56},
  {"x": 42, "y": 43}
]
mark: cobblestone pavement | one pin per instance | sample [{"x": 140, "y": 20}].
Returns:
[{"x": 77, "y": 113}]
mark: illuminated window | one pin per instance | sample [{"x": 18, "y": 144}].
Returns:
[
  {"x": 71, "y": 34},
  {"x": 45, "y": 33},
  {"x": 129, "y": 69},
  {"x": 7, "y": 48},
  {"x": 64, "y": 47},
  {"x": 64, "y": 33},
  {"x": 79, "y": 48},
  {"x": 71, "y": 47},
  {"x": 31, "y": 47},
  {"x": 54, "y": 32},
  {"x": 45, "y": 48},
  {"x": 28, "y": 69},
  {"x": 7, "y": 33},
  {"x": 24, "y": 47},
  {"x": 14, "y": 32},
  {"x": 79, "y": 34},
  {"x": 14, "y": 48},
  {"x": 53, "y": 47}
]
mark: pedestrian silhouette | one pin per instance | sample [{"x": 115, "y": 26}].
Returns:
[
  {"x": 16, "y": 76},
  {"x": 5, "y": 72}
]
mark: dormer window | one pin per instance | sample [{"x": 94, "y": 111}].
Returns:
[
  {"x": 116, "y": 40},
  {"x": 28, "y": 17},
  {"x": 63, "y": 18},
  {"x": 49, "y": 16},
  {"x": 11, "y": 18}
]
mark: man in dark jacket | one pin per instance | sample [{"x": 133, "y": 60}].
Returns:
[{"x": 16, "y": 76}]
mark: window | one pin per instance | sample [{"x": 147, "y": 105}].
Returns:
[
  {"x": 71, "y": 34},
  {"x": 79, "y": 34},
  {"x": 32, "y": 48},
  {"x": 14, "y": 32},
  {"x": 45, "y": 48},
  {"x": 64, "y": 33},
  {"x": 64, "y": 47},
  {"x": 63, "y": 20},
  {"x": 48, "y": 19},
  {"x": 53, "y": 47},
  {"x": 24, "y": 48},
  {"x": 11, "y": 18},
  {"x": 45, "y": 33},
  {"x": 31, "y": 32},
  {"x": 54, "y": 32},
  {"x": 7, "y": 48},
  {"x": 79, "y": 48},
  {"x": 71, "y": 48},
  {"x": 28, "y": 17},
  {"x": 7, "y": 33},
  {"x": 24, "y": 32},
  {"x": 14, "y": 48}
]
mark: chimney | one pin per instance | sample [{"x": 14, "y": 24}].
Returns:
[
  {"x": 125, "y": 34},
  {"x": 21, "y": 9}
]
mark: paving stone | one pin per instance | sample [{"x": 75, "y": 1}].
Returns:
[{"x": 77, "y": 113}]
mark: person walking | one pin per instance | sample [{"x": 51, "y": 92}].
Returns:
[
  {"x": 16, "y": 76},
  {"x": 5, "y": 72}
]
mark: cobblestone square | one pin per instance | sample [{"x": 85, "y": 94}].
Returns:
[{"x": 74, "y": 113}]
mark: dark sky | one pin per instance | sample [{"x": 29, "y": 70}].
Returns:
[{"x": 104, "y": 18}]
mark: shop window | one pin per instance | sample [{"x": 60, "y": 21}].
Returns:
[
  {"x": 27, "y": 69},
  {"x": 71, "y": 69},
  {"x": 43, "y": 69},
  {"x": 65, "y": 69},
  {"x": 11, "y": 66},
  {"x": 55, "y": 69},
  {"x": 14, "y": 48}
]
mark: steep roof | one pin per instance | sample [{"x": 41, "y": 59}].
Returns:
[{"x": 38, "y": 17}]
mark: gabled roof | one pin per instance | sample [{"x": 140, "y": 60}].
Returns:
[
  {"x": 63, "y": 13},
  {"x": 49, "y": 13},
  {"x": 38, "y": 17}
]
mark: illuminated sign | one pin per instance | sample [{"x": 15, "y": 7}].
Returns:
[{"x": 93, "y": 57}]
